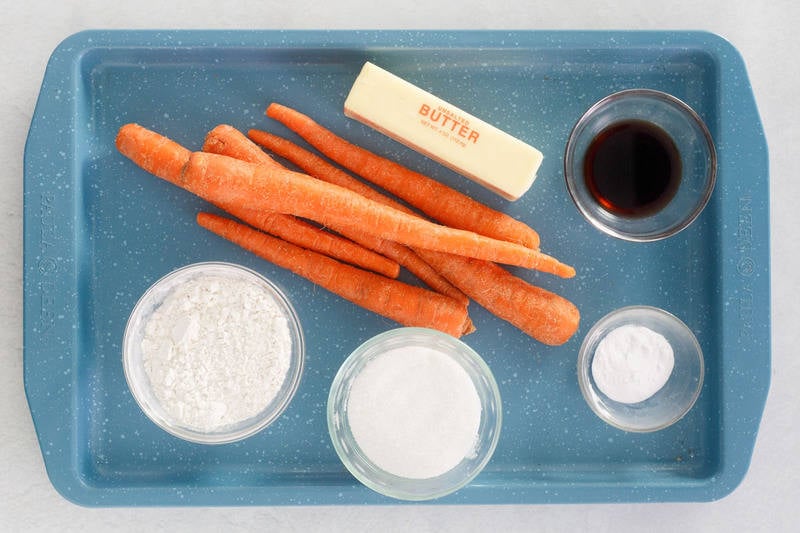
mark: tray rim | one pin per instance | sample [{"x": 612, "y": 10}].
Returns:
[{"x": 66, "y": 61}]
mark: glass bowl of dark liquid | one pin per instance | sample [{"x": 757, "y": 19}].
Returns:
[{"x": 640, "y": 165}]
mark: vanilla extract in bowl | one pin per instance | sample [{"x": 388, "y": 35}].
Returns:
[
  {"x": 640, "y": 165},
  {"x": 632, "y": 168}
]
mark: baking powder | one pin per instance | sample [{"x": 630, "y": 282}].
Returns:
[
  {"x": 632, "y": 363},
  {"x": 216, "y": 351},
  {"x": 414, "y": 412}
]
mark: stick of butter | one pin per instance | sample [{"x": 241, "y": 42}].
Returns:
[{"x": 443, "y": 132}]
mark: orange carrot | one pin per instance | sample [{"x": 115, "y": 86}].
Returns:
[
  {"x": 539, "y": 313},
  {"x": 227, "y": 180},
  {"x": 308, "y": 236},
  {"x": 428, "y": 275},
  {"x": 316, "y": 166},
  {"x": 166, "y": 159},
  {"x": 545, "y": 316},
  {"x": 432, "y": 197},
  {"x": 226, "y": 140},
  {"x": 406, "y": 304},
  {"x": 153, "y": 152},
  {"x": 320, "y": 168}
]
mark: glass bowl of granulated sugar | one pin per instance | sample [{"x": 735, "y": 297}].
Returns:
[
  {"x": 640, "y": 369},
  {"x": 414, "y": 414},
  {"x": 213, "y": 352}
]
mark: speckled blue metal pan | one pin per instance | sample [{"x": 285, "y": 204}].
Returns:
[{"x": 99, "y": 231}]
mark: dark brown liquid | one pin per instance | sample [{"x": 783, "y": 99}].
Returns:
[{"x": 632, "y": 168}]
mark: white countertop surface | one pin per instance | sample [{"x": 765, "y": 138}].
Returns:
[{"x": 764, "y": 33}]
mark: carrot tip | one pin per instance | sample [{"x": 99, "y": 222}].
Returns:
[{"x": 566, "y": 271}]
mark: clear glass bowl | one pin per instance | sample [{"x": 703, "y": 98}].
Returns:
[
  {"x": 139, "y": 383},
  {"x": 692, "y": 139},
  {"x": 386, "y": 483},
  {"x": 678, "y": 394}
]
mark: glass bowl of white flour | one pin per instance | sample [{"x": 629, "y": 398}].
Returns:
[
  {"x": 213, "y": 352},
  {"x": 414, "y": 414},
  {"x": 640, "y": 369}
]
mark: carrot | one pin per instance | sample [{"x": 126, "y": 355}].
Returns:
[
  {"x": 320, "y": 168},
  {"x": 545, "y": 316},
  {"x": 300, "y": 195},
  {"x": 166, "y": 159},
  {"x": 316, "y": 166},
  {"x": 227, "y": 180},
  {"x": 406, "y": 304},
  {"x": 308, "y": 236},
  {"x": 409, "y": 259},
  {"x": 153, "y": 152},
  {"x": 539, "y": 313},
  {"x": 406, "y": 257},
  {"x": 432, "y": 197},
  {"x": 227, "y": 140}
]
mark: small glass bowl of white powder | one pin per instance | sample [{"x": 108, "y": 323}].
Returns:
[
  {"x": 213, "y": 352},
  {"x": 640, "y": 369},
  {"x": 414, "y": 414}
]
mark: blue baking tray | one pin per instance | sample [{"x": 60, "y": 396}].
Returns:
[{"x": 98, "y": 231}]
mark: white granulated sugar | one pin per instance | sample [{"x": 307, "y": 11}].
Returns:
[
  {"x": 216, "y": 351},
  {"x": 632, "y": 363},
  {"x": 414, "y": 412}
]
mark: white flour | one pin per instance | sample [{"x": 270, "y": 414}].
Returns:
[
  {"x": 632, "y": 363},
  {"x": 414, "y": 412},
  {"x": 216, "y": 351}
]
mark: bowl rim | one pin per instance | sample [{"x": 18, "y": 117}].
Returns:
[
  {"x": 570, "y": 178},
  {"x": 294, "y": 372},
  {"x": 337, "y": 388},
  {"x": 583, "y": 371}
]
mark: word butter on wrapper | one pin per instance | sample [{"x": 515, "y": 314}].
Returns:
[{"x": 443, "y": 132}]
